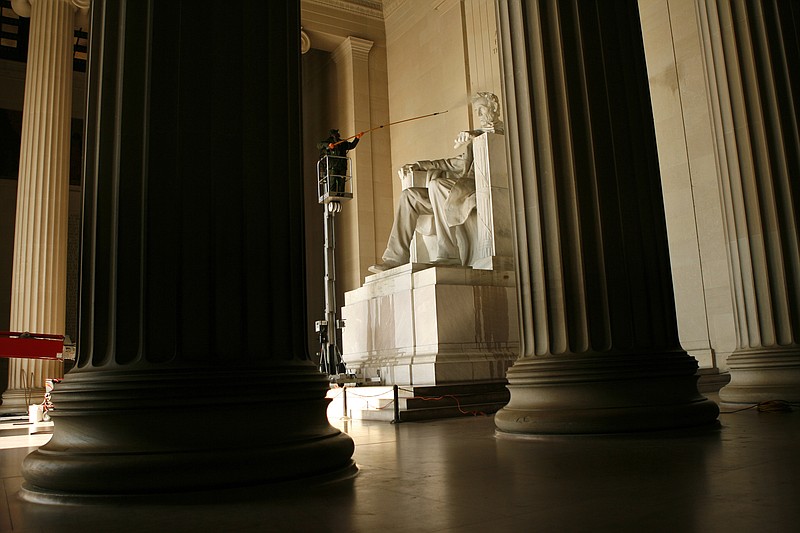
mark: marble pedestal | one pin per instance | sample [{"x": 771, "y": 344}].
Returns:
[{"x": 419, "y": 324}]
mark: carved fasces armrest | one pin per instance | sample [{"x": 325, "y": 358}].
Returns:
[{"x": 412, "y": 178}]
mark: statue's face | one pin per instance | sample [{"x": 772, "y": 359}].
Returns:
[{"x": 485, "y": 113}]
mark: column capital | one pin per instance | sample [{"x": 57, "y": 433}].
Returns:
[
  {"x": 82, "y": 12},
  {"x": 23, "y": 8},
  {"x": 352, "y": 47}
]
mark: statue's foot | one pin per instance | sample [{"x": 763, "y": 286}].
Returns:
[{"x": 382, "y": 267}]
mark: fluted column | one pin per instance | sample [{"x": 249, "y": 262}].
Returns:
[
  {"x": 39, "y": 286},
  {"x": 192, "y": 302},
  {"x": 753, "y": 70},
  {"x": 728, "y": 137},
  {"x": 600, "y": 349}
]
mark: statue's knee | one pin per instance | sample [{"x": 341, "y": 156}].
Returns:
[
  {"x": 406, "y": 198},
  {"x": 439, "y": 188}
]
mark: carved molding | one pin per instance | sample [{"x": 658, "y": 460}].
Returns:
[
  {"x": 352, "y": 47},
  {"x": 360, "y": 48},
  {"x": 390, "y": 6},
  {"x": 369, "y": 8}
]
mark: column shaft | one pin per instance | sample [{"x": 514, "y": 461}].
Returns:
[
  {"x": 192, "y": 302},
  {"x": 601, "y": 350},
  {"x": 728, "y": 137},
  {"x": 752, "y": 59},
  {"x": 38, "y": 297}
]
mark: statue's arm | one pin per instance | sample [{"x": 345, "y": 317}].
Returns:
[
  {"x": 456, "y": 165},
  {"x": 453, "y": 164}
]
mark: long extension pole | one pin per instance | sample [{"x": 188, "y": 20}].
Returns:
[{"x": 389, "y": 124}]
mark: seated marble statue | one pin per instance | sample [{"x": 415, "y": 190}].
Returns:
[{"x": 449, "y": 196}]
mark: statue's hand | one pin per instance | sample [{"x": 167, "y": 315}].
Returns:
[
  {"x": 465, "y": 137},
  {"x": 403, "y": 171}
]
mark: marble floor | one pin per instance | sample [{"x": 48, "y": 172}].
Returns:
[{"x": 454, "y": 475}]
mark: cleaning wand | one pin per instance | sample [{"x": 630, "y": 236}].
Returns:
[{"x": 332, "y": 145}]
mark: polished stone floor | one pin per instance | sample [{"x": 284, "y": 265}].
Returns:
[{"x": 454, "y": 475}]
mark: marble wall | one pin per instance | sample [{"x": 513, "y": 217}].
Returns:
[
  {"x": 438, "y": 55},
  {"x": 692, "y": 196}
]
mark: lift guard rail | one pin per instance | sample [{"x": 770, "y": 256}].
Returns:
[{"x": 31, "y": 345}]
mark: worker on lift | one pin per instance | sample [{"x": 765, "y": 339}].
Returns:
[{"x": 337, "y": 147}]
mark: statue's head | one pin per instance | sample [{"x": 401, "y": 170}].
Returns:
[{"x": 487, "y": 107}]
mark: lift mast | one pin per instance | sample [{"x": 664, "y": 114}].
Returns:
[{"x": 334, "y": 186}]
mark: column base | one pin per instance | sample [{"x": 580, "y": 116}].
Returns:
[
  {"x": 177, "y": 430},
  {"x": 209, "y": 495},
  {"x": 603, "y": 394},
  {"x": 17, "y": 400},
  {"x": 759, "y": 376}
]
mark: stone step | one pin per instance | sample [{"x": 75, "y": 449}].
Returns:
[
  {"x": 431, "y": 413},
  {"x": 453, "y": 400},
  {"x": 420, "y": 402}
]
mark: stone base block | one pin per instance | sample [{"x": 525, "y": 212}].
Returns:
[{"x": 425, "y": 325}]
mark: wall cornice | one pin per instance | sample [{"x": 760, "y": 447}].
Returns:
[
  {"x": 368, "y": 8},
  {"x": 352, "y": 48},
  {"x": 390, "y": 6}
]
